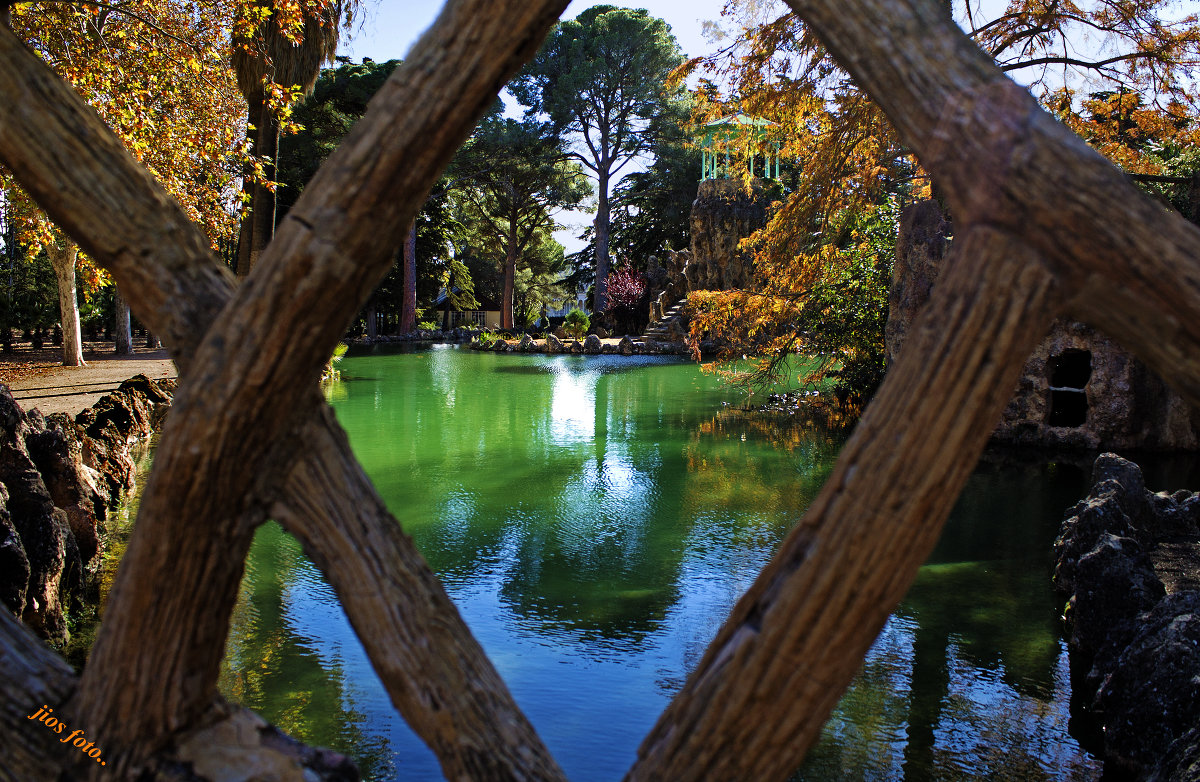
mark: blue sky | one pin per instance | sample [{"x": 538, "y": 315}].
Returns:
[{"x": 391, "y": 26}]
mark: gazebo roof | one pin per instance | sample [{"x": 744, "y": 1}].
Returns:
[
  {"x": 729, "y": 127},
  {"x": 741, "y": 118}
]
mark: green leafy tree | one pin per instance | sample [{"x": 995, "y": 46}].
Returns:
[
  {"x": 516, "y": 178},
  {"x": 338, "y": 100},
  {"x": 540, "y": 282},
  {"x": 602, "y": 79},
  {"x": 576, "y": 323},
  {"x": 653, "y": 207}
]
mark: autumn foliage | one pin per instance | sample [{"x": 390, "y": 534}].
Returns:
[{"x": 1116, "y": 72}]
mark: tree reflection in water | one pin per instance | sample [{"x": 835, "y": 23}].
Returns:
[{"x": 594, "y": 518}]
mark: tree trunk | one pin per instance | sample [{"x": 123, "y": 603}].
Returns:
[
  {"x": 601, "y": 223},
  {"x": 510, "y": 281},
  {"x": 122, "y": 335},
  {"x": 258, "y": 226},
  {"x": 63, "y": 254},
  {"x": 254, "y": 110},
  {"x": 263, "y": 212},
  {"x": 372, "y": 320},
  {"x": 408, "y": 306}
]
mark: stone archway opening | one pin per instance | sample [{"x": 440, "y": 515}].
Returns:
[{"x": 1069, "y": 373}]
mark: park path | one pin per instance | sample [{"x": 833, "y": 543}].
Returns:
[{"x": 71, "y": 389}]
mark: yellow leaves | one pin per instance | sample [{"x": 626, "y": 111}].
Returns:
[{"x": 157, "y": 72}]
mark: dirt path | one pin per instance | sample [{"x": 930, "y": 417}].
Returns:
[{"x": 37, "y": 379}]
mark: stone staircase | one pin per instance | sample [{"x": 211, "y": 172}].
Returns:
[{"x": 660, "y": 330}]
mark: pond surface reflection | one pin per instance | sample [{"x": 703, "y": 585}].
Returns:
[{"x": 594, "y": 518}]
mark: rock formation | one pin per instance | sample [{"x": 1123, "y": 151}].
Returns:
[
  {"x": 666, "y": 284},
  {"x": 722, "y": 215},
  {"x": 59, "y": 478},
  {"x": 1133, "y": 619},
  {"x": 1082, "y": 390},
  {"x": 1078, "y": 390},
  {"x": 921, "y": 247}
]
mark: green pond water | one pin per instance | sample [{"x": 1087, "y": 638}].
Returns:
[{"x": 594, "y": 518}]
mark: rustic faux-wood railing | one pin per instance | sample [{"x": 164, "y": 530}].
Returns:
[{"x": 1044, "y": 227}]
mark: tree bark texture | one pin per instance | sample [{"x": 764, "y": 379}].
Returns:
[
  {"x": 63, "y": 255},
  {"x": 408, "y": 307},
  {"x": 33, "y": 677},
  {"x": 123, "y": 332},
  {"x": 1044, "y": 226},
  {"x": 258, "y": 225}
]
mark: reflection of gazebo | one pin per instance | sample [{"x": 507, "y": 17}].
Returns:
[{"x": 719, "y": 137}]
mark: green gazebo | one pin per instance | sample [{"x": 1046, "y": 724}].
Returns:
[{"x": 719, "y": 136}]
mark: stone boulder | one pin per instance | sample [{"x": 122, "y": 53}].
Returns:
[
  {"x": 1155, "y": 686},
  {"x": 553, "y": 344},
  {"x": 625, "y": 347},
  {"x": 1133, "y": 618},
  {"x": 527, "y": 344},
  {"x": 592, "y": 344},
  {"x": 74, "y": 487},
  {"x": 45, "y": 535},
  {"x": 14, "y": 565}
]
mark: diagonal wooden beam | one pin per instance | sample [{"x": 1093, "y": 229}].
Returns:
[
  {"x": 80, "y": 173},
  {"x": 791, "y": 645},
  {"x": 1045, "y": 226}
]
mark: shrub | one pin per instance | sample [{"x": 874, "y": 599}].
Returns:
[{"x": 577, "y": 323}]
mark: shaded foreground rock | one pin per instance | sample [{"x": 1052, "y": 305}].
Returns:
[
  {"x": 1133, "y": 625},
  {"x": 59, "y": 479}
]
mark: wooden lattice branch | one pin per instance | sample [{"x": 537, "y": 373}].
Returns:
[
  {"x": 66, "y": 158},
  {"x": 1044, "y": 226}
]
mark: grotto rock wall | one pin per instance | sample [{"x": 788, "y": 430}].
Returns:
[
  {"x": 1129, "y": 562},
  {"x": 1079, "y": 389},
  {"x": 59, "y": 479},
  {"x": 722, "y": 215}
]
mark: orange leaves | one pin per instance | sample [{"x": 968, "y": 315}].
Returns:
[{"x": 157, "y": 71}]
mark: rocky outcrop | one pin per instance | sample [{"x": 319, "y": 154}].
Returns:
[
  {"x": 666, "y": 284},
  {"x": 59, "y": 478},
  {"x": 921, "y": 247},
  {"x": 722, "y": 215},
  {"x": 1079, "y": 389},
  {"x": 1133, "y": 625}
]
